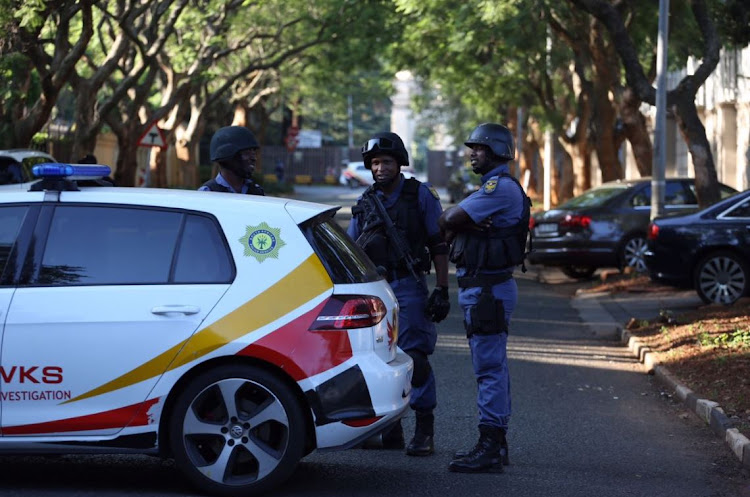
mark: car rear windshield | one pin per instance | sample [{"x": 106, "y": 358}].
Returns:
[
  {"x": 594, "y": 197},
  {"x": 342, "y": 258}
]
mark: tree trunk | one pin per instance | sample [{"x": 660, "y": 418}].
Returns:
[
  {"x": 636, "y": 132},
  {"x": 528, "y": 159},
  {"x": 84, "y": 141},
  {"x": 579, "y": 153},
  {"x": 604, "y": 117},
  {"x": 158, "y": 167},
  {"x": 536, "y": 134},
  {"x": 187, "y": 157},
  {"x": 694, "y": 133},
  {"x": 566, "y": 182},
  {"x": 13, "y": 109},
  {"x": 127, "y": 163}
]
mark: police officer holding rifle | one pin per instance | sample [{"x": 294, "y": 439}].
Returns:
[{"x": 395, "y": 222}]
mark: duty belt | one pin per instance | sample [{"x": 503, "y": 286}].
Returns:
[
  {"x": 483, "y": 280},
  {"x": 397, "y": 274}
]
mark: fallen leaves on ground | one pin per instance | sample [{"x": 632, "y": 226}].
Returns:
[{"x": 707, "y": 349}]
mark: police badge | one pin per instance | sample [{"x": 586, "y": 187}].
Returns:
[{"x": 490, "y": 186}]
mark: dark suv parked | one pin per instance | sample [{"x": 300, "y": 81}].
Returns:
[{"x": 606, "y": 226}]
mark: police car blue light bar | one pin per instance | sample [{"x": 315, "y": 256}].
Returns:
[{"x": 59, "y": 170}]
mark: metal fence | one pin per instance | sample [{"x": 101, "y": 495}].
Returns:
[
  {"x": 323, "y": 165},
  {"x": 305, "y": 165}
]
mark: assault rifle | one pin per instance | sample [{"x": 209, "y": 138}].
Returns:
[{"x": 373, "y": 205}]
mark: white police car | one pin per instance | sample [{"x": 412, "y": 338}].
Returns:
[{"x": 234, "y": 333}]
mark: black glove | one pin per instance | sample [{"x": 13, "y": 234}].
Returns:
[{"x": 438, "y": 305}]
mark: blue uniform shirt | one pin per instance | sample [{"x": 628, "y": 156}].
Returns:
[
  {"x": 220, "y": 180},
  {"x": 500, "y": 199}
]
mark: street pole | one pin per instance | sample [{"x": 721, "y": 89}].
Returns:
[
  {"x": 350, "y": 123},
  {"x": 519, "y": 140},
  {"x": 660, "y": 133},
  {"x": 548, "y": 156}
]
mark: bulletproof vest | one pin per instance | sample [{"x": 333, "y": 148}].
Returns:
[
  {"x": 495, "y": 248},
  {"x": 214, "y": 186},
  {"x": 405, "y": 216}
]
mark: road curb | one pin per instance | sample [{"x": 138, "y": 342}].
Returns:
[{"x": 707, "y": 410}]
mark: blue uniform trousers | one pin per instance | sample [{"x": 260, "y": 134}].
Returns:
[
  {"x": 489, "y": 357},
  {"x": 416, "y": 332}
]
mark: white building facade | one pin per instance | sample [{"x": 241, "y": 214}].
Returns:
[{"x": 724, "y": 106}]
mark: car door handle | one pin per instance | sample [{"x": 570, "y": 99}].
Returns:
[{"x": 165, "y": 310}]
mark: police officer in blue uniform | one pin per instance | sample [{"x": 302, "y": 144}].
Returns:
[
  {"x": 414, "y": 209},
  {"x": 235, "y": 149},
  {"x": 488, "y": 231}
]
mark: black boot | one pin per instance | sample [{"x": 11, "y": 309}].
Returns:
[
  {"x": 393, "y": 439},
  {"x": 485, "y": 456},
  {"x": 423, "y": 442},
  {"x": 503, "y": 451}
]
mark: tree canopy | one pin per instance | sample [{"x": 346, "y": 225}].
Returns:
[{"x": 580, "y": 68}]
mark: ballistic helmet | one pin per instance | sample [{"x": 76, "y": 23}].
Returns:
[
  {"x": 229, "y": 140},
  {"x": 387, "y": 143},
  {"x": 496, "y": 136}
]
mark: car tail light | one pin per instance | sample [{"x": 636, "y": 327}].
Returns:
[
  {"x": 358, "y": 423},
  {"x": 575, "y": 221},
  {"x": 346, "y": 312},
  {"x": 653, "y": 231},
  {"x": 532, "y": 223}
]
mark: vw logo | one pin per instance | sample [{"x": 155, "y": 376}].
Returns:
[{"x": 236, "y": 431}]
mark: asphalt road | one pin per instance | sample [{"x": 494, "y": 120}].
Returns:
[{"x": 586, "y": 422}]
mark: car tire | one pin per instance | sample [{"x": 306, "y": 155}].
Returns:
[
  {"x": 578, "y": 272},
  {"x": 236, "y": 430},
  {"x": 721, "y": 278},
  {"x": 632, "y": 253}
]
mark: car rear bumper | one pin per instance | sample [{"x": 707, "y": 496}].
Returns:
[
  {"x": 344, "y": 422},
  {"x": 665, "y": 267},
  {"x": 594, "y": 257}
]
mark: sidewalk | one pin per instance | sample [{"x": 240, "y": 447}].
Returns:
[{"x": 606, "y": 316}]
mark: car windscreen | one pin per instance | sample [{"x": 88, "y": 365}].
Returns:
[
  {"x": 594, "y": 197},
  {"x": 344, "y": 260}
]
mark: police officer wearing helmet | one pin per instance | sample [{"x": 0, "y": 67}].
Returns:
[
  {"x": 235, "y": 149},
  {"x": 414, "y": 208},
  {"x": 488, "y": 231}
]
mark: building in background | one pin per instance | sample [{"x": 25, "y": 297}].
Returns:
[
  {"x": 403, "y": 121},
  {"x": 724, "y": 106}
]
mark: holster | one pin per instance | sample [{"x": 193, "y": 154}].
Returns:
[{"x": 487, "y": 316}]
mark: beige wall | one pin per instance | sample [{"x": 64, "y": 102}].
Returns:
[{"x": 106, "y": 150}]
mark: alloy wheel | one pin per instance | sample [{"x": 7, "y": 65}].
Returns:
[
  {"x": 237, "y": 430},
  {"x": 633, "y": 254},
  {"x": 721, "y": 279}
]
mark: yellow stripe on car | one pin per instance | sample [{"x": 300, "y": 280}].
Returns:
[{"x": 304, "y": 283}]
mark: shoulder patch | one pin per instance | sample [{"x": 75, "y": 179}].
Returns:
[
  {"x": 434, "y": 192},
  {"x": 490, "y": 186}
]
